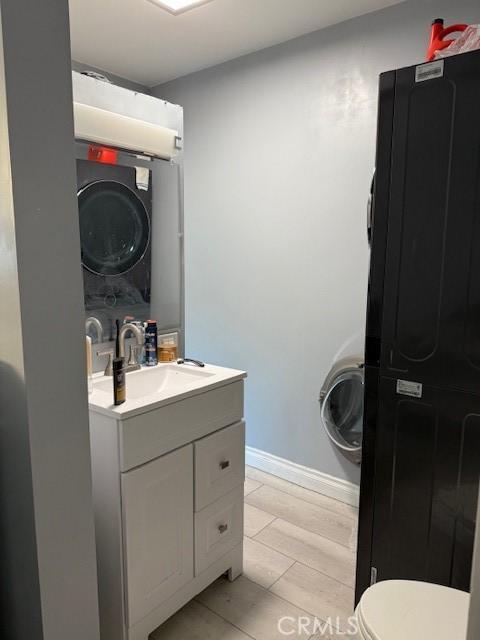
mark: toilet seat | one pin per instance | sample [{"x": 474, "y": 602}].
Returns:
[{"x": 409, "y": 610}]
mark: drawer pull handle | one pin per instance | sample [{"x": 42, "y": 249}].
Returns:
[
  {"x": 224, "y": 465},
  {"x": 222, "y": 528}
]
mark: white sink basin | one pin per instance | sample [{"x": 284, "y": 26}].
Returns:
[
  {"x": 152, "y": 381},
  {"x": 152, "y": 386}
]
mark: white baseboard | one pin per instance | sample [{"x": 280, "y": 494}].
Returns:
[{"x": 304, "y": 476}]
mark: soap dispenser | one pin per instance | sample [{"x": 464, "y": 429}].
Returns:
[{"x": 119, "y": 387}]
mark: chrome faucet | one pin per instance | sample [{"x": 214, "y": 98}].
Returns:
[
  {"x": 129, "y": 327},
  {"x": 94, "y": 322}
]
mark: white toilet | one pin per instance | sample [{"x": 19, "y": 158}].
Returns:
[{"x": 408, "y": 610}]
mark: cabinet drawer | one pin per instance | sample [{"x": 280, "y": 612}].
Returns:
[
  {"x": 149, "y": 435},
  {"x": 219, "y": 464},
  {"x": 218, "y": 529}
]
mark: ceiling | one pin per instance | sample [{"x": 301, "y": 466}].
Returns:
[{"x": 140, "y": 41}]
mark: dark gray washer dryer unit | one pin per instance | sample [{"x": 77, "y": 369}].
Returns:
[{"x": 341, "y": 406}]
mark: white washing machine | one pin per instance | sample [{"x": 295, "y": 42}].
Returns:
[{"x": 341, "y": 406}]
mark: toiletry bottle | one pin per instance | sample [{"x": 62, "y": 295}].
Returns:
[
  {"x": 151, "y": 343},
  {"x": 119, "y": 390},
  {"x": 119, "y": 395}
]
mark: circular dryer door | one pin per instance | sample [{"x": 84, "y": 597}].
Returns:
[
  {"x": 114, "y": 227},
  {"x": 342, "y": 411}
]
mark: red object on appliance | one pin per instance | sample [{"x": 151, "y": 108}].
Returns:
[
  {"x": 102, "y": 154},
  {"x": 437, "y": 35}
]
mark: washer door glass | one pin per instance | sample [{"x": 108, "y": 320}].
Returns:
[
  {"x": 114, "y": 227},
  {"x": 342, "y": 410}
]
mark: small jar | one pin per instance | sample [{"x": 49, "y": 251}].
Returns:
[{"x": 167, "y": 348}]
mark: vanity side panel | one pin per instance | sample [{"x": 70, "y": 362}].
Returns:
[
  {"x": 150, "y": 435},
  {"x": 108, "y": 525}
]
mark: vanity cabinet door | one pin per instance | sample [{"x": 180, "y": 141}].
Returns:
[{"x": 157, "y": 504}]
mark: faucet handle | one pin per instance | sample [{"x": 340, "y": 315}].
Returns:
[
  {"x": 109, "y": 368},
  {"x": 197, "y": 363}
]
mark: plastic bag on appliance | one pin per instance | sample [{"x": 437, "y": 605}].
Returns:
[{"x": 466, "y": 41}]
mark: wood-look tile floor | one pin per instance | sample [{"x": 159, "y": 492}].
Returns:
[{"x": 299, "y": 566}]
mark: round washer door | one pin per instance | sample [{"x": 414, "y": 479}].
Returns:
[
  {"x": 342, "y": 409},
  {"x": 114, "y": 227}
]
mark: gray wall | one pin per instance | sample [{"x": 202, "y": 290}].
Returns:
[
  {"x": 48, "y": 587},
  {"x": 279, "y": 153}
]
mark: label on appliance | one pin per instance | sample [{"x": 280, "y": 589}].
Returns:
[
  {"x": 409, "y": 388},
  {"x": 429, "y": 71}
]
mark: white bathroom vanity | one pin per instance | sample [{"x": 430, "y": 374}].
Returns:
[{"x": 168, "y": 473}]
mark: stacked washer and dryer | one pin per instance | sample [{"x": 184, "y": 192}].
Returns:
[
  {"x": 421, "y": 446},
  {"x": 421, "y": 442}
]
